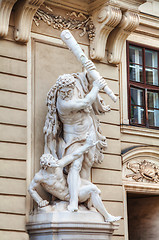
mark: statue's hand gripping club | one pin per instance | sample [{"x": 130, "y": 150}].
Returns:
[{"x": 69, "y": 40}]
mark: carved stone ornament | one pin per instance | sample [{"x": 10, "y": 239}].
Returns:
[
  {"x": 73, "y": 21},
  {"x": 144, "y": 170},
  {"x": 117, "y": 37},
  {"x": 24, "y": 13},
  {"x": 105, "y": 20},
  {"x": 5, "y": 11}
]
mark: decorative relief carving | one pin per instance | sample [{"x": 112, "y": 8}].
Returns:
[
  {"x": 144, "y": 170},
  {"x": 5, "y": 11},
  {"x": 117, "y": 37},
  {"x": 24, "y": 13},
  {"x": 105, "y": 20},
  {"x": 73, "y": 21}
]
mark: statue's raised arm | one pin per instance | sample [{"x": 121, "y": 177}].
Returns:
[{"x": 90, "y": 67}]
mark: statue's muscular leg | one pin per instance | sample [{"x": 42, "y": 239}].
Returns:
[
  {"x": 89, "y": 190},
  {"x": 87, "y": 164},
  {"x": 74, "y": 183}
]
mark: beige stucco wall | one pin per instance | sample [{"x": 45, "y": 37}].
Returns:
[
  {"x": 26, "y": 74},
  {"x": 13, "y": 138}
]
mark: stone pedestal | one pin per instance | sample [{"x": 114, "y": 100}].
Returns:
[{"x": 64, "y": 225}]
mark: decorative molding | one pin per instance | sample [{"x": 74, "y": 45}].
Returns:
[
  {"x": 24, "y": 13},
  {"x": 117, "y": 38},
  {"x": 141, "y": 152},
  {"x": 141, "y": 187},
  {"x": 105, "y": 20},
  {"x": 5, "y": 11},
  {"x": 73, "y": 21},
  {"x": 141, "y": 164},
  {"x": 143, "y": 170},
  {"x": 140, "y": 131}
]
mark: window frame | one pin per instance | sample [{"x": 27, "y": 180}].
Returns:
[{"x": 141, "y": 85}]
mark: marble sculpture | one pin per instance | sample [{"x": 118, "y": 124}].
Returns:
[{"x": 73, "y": 140}]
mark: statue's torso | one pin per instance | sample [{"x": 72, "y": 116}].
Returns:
[{"x": 56, "y": 184}]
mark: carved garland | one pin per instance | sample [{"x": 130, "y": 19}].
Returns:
[
  {"x": 144, "y": 170},
  {"x": 71, "y": 22}
]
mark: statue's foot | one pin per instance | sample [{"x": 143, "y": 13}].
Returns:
[
  {"x": 72, "y": 207},
  {"x": 111, "y": 218}
]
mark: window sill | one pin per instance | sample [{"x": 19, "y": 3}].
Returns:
[{"x": 140, "y": 131}]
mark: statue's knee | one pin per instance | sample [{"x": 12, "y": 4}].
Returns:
[{"x": 95, "y": 190}]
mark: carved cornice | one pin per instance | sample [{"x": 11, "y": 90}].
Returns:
[
  {"x": 24, "y": 13},
  {"x": 105, "y": 20},
  {"x": 116, "y": 40},
  {"x": 5, "y": 11}
]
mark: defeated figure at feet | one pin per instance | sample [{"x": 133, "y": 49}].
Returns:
[{"x": 53, "y": 180}]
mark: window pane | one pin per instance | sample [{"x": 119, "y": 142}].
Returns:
[
  {"x": 153, "y": 99},
  {"x": 152, "y": 76},
  {"x": 136, "y": 73},
  {"x": 153, "y": 118},
  {"x": 135, "y": 54},
  {"x": 137, "y": 96},
  {"x": 151, "y": 58},
  {"x": 137, "y": 115}
]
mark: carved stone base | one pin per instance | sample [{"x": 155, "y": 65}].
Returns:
[{"x": 64, "y": 225}]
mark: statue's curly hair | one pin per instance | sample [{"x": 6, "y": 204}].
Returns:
[
  {"x": 65, "y": 80},
  {"x": 45, "y": 160}
]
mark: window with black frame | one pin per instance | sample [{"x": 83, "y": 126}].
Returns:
[{"x": 143, "y": 85}]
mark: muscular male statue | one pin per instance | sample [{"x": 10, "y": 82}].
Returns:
[
  {"x": 73, "y": 103},
  {"x": 53, "y": 180}
]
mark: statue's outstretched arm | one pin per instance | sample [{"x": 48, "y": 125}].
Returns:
[
  {"x": 76, "y": 154},
  {"x": 35, "y": 183}
]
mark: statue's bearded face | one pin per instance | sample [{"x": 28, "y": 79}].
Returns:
[{"x": 66, "y": 93}]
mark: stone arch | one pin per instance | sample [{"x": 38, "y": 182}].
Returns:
[{"x": 141, "y": 169}]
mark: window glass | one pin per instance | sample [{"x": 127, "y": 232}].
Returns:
[
  {"x": 153, "y": 117},
  {"x": 151, "y": 58},
  {"x": 137, "y": 109},
  {"x": 135, "y": 55},
  {"x": 144, "y": 86},
  {"x": 153, "y": 99},
  {"x": 137, "y": 115},
  {"x": 151, "y": 76},
  {"x": 136, "y": 73},
  {"x": 137, "y": 96}
]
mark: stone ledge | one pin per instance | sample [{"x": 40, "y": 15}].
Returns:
[{"x": 133, "y": 130}]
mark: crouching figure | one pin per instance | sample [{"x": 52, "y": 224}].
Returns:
[{"x": 54, "y": 181}]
